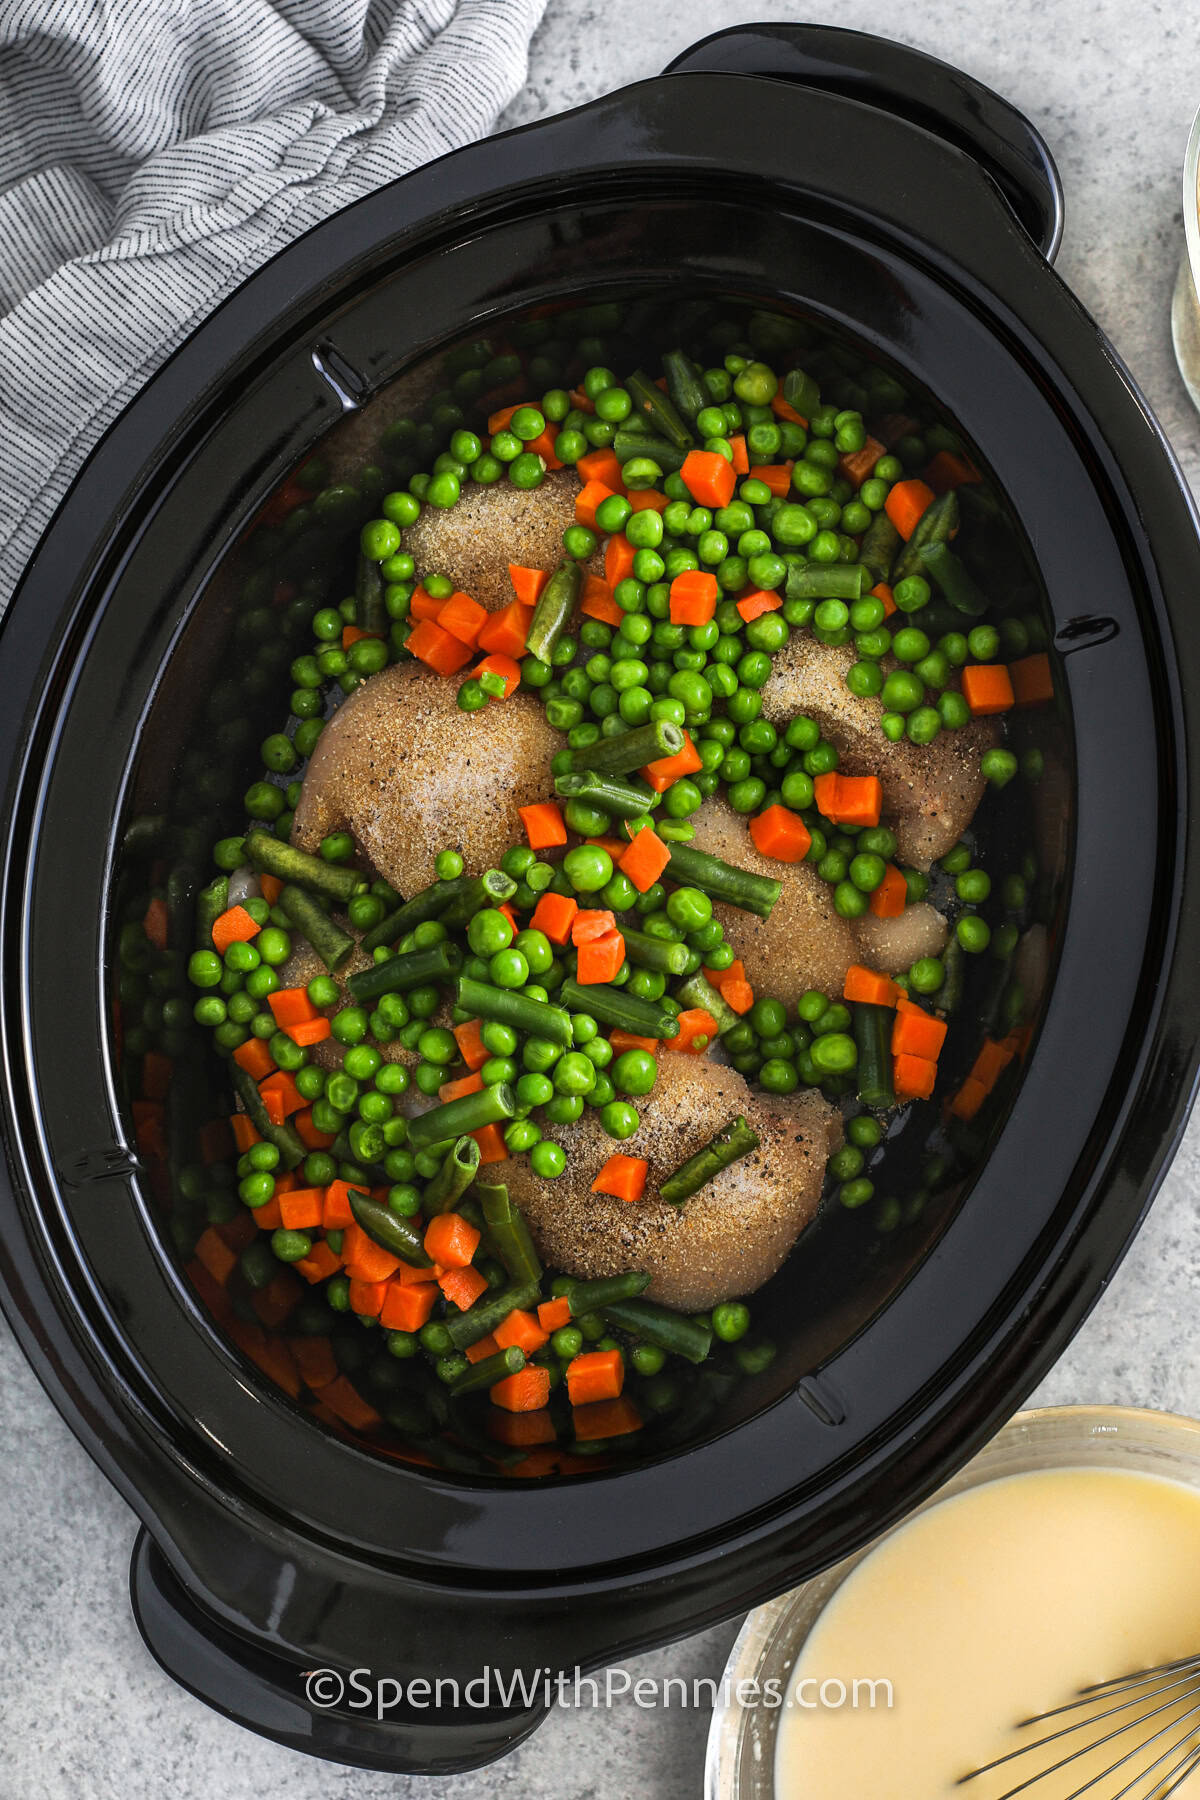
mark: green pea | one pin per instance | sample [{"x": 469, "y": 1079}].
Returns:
[
  {"x": 926, "y": 975},
  {"x": 547, "y": 1160},
  {"x": 634, "y": 1072},
  {"x": 973, "y": 933},
  {"x": 588, "y": 868}
]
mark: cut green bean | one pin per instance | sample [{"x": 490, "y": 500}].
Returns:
[
  {"x": 684, "y": 385},
  {"x": 430, "y": 903},
  {"x": 954, "y": 579},
  {"x": 553, "y": 610},
  {"x": 454, "y": 1118},
  {"x": 452, "y": 1180},
  {"x": 619, "y": 798},
  {"x": 662, "y": 450},
  {"x": 659, "y": 409},
  {"x": 801, "y": 392},
  {"x": 267, "y": 853},
  {"x": 954, "y": 965},
  {"x": 389, "y": 1230},
  {"x": 509, "y": 1007},
  {"x": 284, "y": 1137},
  {"x": 613, "y": 1006},
  {"x": 936, "y": 524},
  {"x": 630, "y": 750},
  {"x": 877, "y": 548},
  {"x": 698, "y": 990},
  {"x": 723, "y": 881},
  {"x": 508, "y": 1234},
  {"x": 825, "y": 581},
  {"x": 370, "y": 612},
  {"x": 662, "y": 954},
  {"x": 671, "y": 1331},
  {"x": 873, "y": 1035},
  {"x": 731, "y": 1143},
  {"x": 489, "y": 1370},
  {"x": 492, "y": 888},
  {"x": 490, "y": 1310},
  {"x": 331, "y": 943},
  {"x": 211, "y": 902},
  {"x": 430, "y": 967},
  {"x": 607, "y": 1290}
]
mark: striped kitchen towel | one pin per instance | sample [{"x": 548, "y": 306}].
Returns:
[{"x": 154, "y": 152}]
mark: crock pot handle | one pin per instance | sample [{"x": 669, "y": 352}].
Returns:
[{"x": 912, "y": 86}]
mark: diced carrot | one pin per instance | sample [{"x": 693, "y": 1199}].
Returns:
[
  {"x": 463, "y": 618},
  {"x": 302, "y": 1209},
  {"x": 554, "y": 915},
  {"x": 215, "y": 1255},
  {"x": 738, "y": 994},
  {"x": 891, "y": 896},
  {"x": 235, "y": 926},
  {"x": 492, "y": 1147},
  {"x": 668, "y": 769},
  {"x": 353, "y": 634},
  {"x": 254, "y": 1057},
  {"x": 991, "y": 1062},
  {"x": 154, "y": 922},
  {"x": 423, "y": 605},
  {"x": 648, "y": 499},
  {"x": 553, "y": 1314},
  {"x": 628, "y": 1040},
  {"x": 776, "y": 476},
  {"x": 600, "y": 959},
  {"x": 521, "y": 1430},
  {"x": 482, "y": 1348},
  {"x": 156, "y": 1074},
  {"x": 602, "y": 465},
  {"x": 780, "y": 833},
  {"x": 407, "y": 1276},
  {"x": 275, "y": 1360},
  {"x": 708, "y": 478},
  {"x": 913, "y": 1077},
  {"x": 856, "y": 465},
  {"x": 697, "y": 1030},
  {"x": 287, "y": 1183},
  {"x": 238, "y": 1231},
  {"x": 506, "y": 631},
  {"x": 268, "y": 1217},
  {"x": 597, "y": 602},
  {"x": 506, "y": 667},
  {"x": 271, "y": 887},
  {"x": 149, "y": 1128},
  {"x": 465, "y": 1084},
  {"x": 987, "y": 689},
  {"x": 869, "y": 986},
  {"x": 462, "y": 1287},
  {"x": 365, "y": 1259},
  {"x": 917, "y": 1033},
  {"x": 591, "y": 923},
  {"x": 244, "y": 1133},
  {"x": 336, "y": 1213},
  {"x": 618, "y": 559},
  {"x": 470, "y": 1044},
  {"x": 694, "y": 597},
  {"x": 595, "y": 1375},
  {"x": 783, "y": 409},
  {"x": 543, "y": 445},
  {"x": 312, "y": 1031},
  {"x": 906, "y": 503},
  {"x": 500, "y": 418},
  {"x": 757, "y": 602},
  {"x": 894, "y": 426},
  {"x": 718, "y": 977},
  {"x": 883, "y": 592},
  {"x": 969, "y": 1098},
  {"x": 292, "y": 1006},
  {"x": 1032, "y": 682},
  {"x": 407, "y": 1305},
  {"x": 624, "y": 1177},
  {"x": 451, "y": 1240},
  {"x": 522, "y": 1329},
  {"x": 645, "y": 859},
  {"x": 438, "y": 649},
  {"x": 544, "y": 827},
  {"x": 280, "y": 1297},
  {"x": 214, "y": 1141},
  {"x": 367, "y": 1297},
  {"x": 527, "y": 1391},
  {"x": 605, "y": 1419},
  {"x": 616, "y": 847},
  {"x": 345, "y": 1401},
  {"x": 580, "y": 401},
  {"x": 281, "y": 1096},
  {"x": 315, "y": 1360},
  {"x": 849, "y": 799},
  {"x": 319, "y": 1264},
  {"x": 589, "y": 497},
  {"x": 948, "y": 471},
  {"x": 741, "y": 459}
]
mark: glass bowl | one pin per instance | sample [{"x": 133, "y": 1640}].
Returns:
[{"x": 741, "y": 1740}]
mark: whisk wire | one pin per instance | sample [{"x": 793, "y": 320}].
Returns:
[
  {"x": 1107, "y": 1690},
  {"x": 1095, "y": 1744}
]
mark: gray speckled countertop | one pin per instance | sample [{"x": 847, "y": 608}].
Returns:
[{"x": 1113, "y": 86}]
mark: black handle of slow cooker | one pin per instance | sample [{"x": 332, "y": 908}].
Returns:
[{"x": 911, "y": 85}]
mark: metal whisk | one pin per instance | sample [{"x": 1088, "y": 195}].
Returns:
[{"x": 1154, "y": 1780}]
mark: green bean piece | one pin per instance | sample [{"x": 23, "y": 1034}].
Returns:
[
  {"x": 619, "y": 798},
  {"x": 662, "y": 450},
  {"x": 647, "y": 952},
  {"x": 411, "y": 969},
  {"x": 671, "y": 1331},
  {"x": 613, "y": 1006},
  {"x": 284, "y": 1137},
  {"x": 508, "y": 1233},
  {"x": 684, "y": 385},
  {"x": 731, "y": 1143},
  {"x": 371, "y": 614},
  {"x": 954, "y": 964},
  {"x": 937, "y": 523},
  {"x": 630, "y": 749},
  {"x": 389, "y": 1230},
  {"x": 430, "y": 903},
  {"x": 954, "y": 579},
  {"x": 454, "y": 1118},
  {"x": 266, "y": 852},
  {"x": 873, "y": 1035},
  {"x": 331, "y": 943},
  {"x": 878, "y": 547},
  {"x": 723, "y": 881},
  {"x": 211, "y": 902},
  {"x": 554, "y": 609},
  {"x": 698, "y": 990},
  {"x": 509, "y": 1007},
  {"x": 659, "y": 408},
  {"x": 489, "y": 1370},
  {"x": 492, "y": 888},
  {"x": 490, "y": 1310},
  {"x": 453, "y": 1179},
  {"x": 825, "y": 581},
  {"x": 801, "y": 392},
  {"x": 607, "y": 1290}
]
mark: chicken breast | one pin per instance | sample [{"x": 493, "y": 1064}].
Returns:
[
  {"x": 805, "y": 943},
  {"x": 930, "y": 791},
  {"x": 727, "y": 1239},
  {"x": 407, "y": 774},
  {"x": 474, "y": 541}
]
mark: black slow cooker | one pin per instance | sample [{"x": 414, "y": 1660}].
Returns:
[{"x": 806, "y": 173}]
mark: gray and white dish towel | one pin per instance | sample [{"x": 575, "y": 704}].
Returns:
[{"x": 154, "y": 152}]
